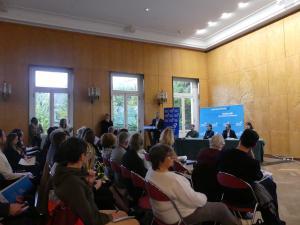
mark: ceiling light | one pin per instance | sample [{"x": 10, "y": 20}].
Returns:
[
  {"x": 147, "y": 9},
  {"x": 212, "y": 24},
  {"x": 201, "y": 31},
  {"x": 226, "y": 15},
  {"x": 243, "y": 4}
]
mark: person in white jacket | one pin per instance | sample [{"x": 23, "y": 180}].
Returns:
[
  {"x": 193, "y": 206},
  {"x": 5, "y": 168}
]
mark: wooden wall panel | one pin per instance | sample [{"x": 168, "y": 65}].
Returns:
[
  {"x": 266, "y": 65},
  {"x": 92, "y": 58}
]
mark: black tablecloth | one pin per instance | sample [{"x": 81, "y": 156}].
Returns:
[{"x": 191, "y": 147}]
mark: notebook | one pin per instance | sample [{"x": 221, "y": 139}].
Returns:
[{"x": 18, "y": 188}]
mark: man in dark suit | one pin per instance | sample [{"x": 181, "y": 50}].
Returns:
[
  {"x": 159, "y": 126},
  {"x": 105, "y": 124},
  {"x": 209, "y": 132},
  {"x": 228, "y": 133}
]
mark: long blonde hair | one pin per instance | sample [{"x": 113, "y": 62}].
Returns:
[{"x": 167, "y": 137}]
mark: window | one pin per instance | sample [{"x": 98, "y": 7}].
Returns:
[
  {"x": 185, "y": 96},
  {"x": 51, "y": 97},
  {"x": 127, "y": 103}
]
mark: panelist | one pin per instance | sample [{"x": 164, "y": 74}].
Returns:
[
  {"x": 228, "y": 133},
  {"x": 192, "y": 133},
  {"x": 209, "y": 132},
  {"x": 159, "y": 126}
]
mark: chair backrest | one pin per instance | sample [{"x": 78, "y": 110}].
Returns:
[
  {"x": 62, "y": 215},
  {"x": 115, "y": 166},
  {"x": 125, "y": 172},
  {"x": 155, "y": 193},
  {"x": 230, "y": 181},
  {"x": 236, "y": 191},
  {"x": 178, "y": 167},
  {"x": 138, "y": 181}
]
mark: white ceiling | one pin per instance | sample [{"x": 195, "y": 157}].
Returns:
[{"x": 172, "y": 22}]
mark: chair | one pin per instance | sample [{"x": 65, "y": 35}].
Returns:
[
  {"x": 178, "y": 167},
  {"x": 140, "y": 182},
  {"x": 115, "y": 167},
  {"x": 62, "y": 215},
  {"x": 125, "y": 172},
  {"x": 156, "y": 194},
  {"x": 235, "y": 186}
]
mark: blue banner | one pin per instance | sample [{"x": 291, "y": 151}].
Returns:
[
  {"x": 218, "y": 117},
  {"x": 171, "y": 119}
]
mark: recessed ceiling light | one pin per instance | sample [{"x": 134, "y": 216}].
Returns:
[
  {"x": 212, "y": 24},
  {"x": 243, "y": 4},
  {"x": 226, "y": 15},
  {"x": 147, "y": 9},
  {"x": 201, "y": 31}
]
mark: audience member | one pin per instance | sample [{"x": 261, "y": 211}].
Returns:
[
  {"x": 57, "y": 137},
  {"x": 249, "y": 126},
  {"x": 89, "y": 137},
  {"x": 111, "y": 130},
  {"x": 192, "y": 133},
  {"x": 5, "y": 168},
  {"x": 108, "y": 142},
  {"x": 12, "y": 153},
  {"x": 209, "y": 133},
  {"x": 118, "y": 152},
  {"x": 80, "y": 131},
  {"x": 35, "y": 131},
  {"x": 133, "y": 162},
  {"x": 64, "y": 125},
  {"x": 105, "y": 124},
  {"x": 20, "y": 144},
  {"x": 193, "y": 206},
  {"x": 72, "y": 185},
  {"x": 167, "y": 137},
  {"x": 159, "y": 126},
  {"x": 241, "y": 164},
  {"x": 123, "y": 130},
  {"x": 204, "y": 174},
  {"x": 46, "y": 146},
  {"x": 228, "y": 132}
]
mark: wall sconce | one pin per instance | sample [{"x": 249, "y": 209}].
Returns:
[
  {"x": 93, "y": 93},
  {"x": 5, "y": 90},
  {"x": 162, "y": 97}
]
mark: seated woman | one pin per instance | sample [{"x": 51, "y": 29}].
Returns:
[
  {"x": 12, "y": 152},
  {"x": 5, "y": 168},
  {"x": 204, "y": 174},
  {"x": 88, "y": 136},
  {"x": 20, "y": 144},
  {"x": 133, "y": 162},
  {"x": 73, "y": 185},
  {"x": 193, "y": 206},
  {"x": 108, "y": 142}
]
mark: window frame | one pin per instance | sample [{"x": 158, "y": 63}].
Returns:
[
  {"x": 51, "y": 90},
  {"x": 194, "y": 95},
  {"x": 139, "y": 93}
]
